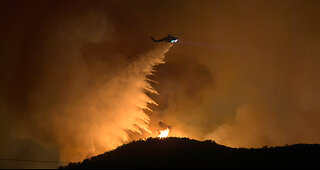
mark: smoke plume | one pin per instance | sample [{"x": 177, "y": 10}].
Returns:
[
  {"x": 76, "y": 96},
  {"x": 75, "y": 74},
  {"x": 245, "y": 74}
]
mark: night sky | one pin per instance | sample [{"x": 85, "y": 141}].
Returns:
[{"x": 74, "y": 79}]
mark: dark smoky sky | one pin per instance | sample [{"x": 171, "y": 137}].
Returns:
[{"x": 244, "y": 73}]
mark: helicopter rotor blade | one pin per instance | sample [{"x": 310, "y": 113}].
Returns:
[
  {"x": 178, "y": 34},
  {"x": 171, "y": 34}
]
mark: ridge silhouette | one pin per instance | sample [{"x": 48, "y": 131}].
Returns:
[{"x": 175, "y": 152}]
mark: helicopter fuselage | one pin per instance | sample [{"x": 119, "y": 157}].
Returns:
[{"x": 169, "y": 39}]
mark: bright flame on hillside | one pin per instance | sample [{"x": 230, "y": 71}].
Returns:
[{"x": 163, "y": 133}]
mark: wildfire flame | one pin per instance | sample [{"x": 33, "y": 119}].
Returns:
[{"x": 164, "y": 133}]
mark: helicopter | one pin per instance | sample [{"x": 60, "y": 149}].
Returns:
[{"x": 170, "y": 39}]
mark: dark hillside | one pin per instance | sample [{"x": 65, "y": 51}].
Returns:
[{"x": 187, "y": 153}]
